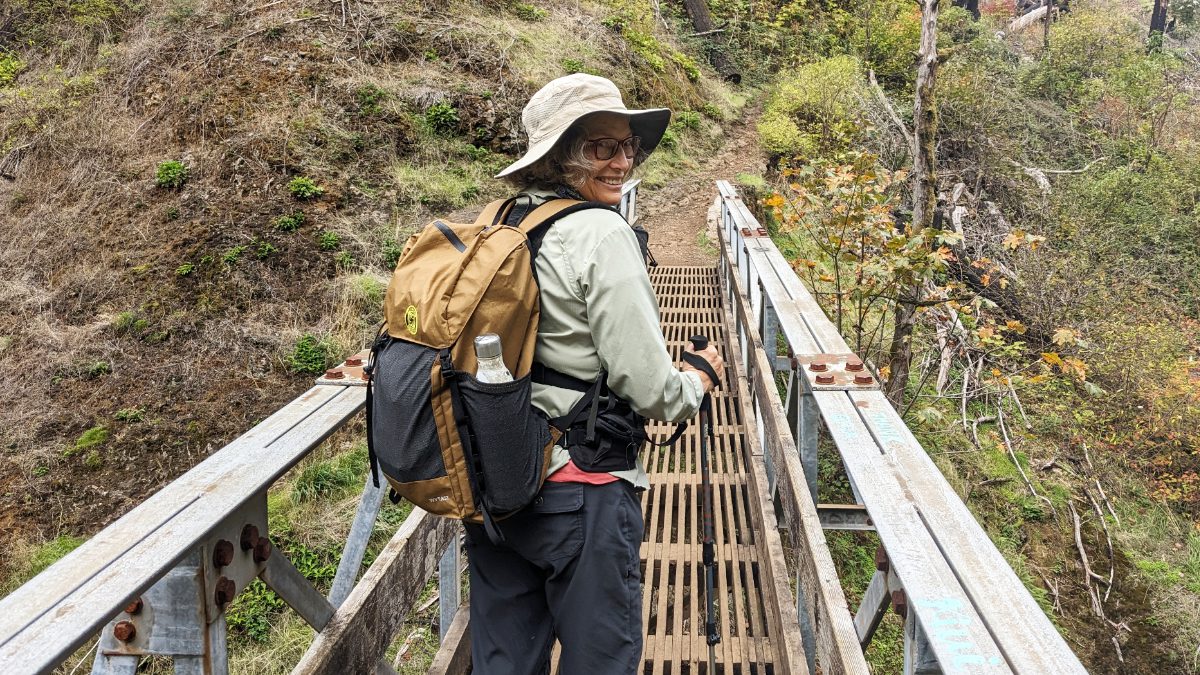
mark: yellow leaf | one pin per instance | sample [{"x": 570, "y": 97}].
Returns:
[
  {"x": 1075, "y": 367},
  {"x": 1063, "y": 336},
  {"x": 1052, "y": 358},
  {"x": 985, "y": 332},
  {"x": 828, "y": 278},
  {"x": 995, "y": 372},
  {"x": 1016, "y": 327},
  {"x": 1014, "y": 239},
  {"x": 986, "y": 280},
  {"x": 1003, "y": 282},
  {"x": 775, "y": 200}
]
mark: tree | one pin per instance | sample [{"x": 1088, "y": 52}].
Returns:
[
  {"x": 1158, "y": 24},
  {"x": 924, "y": 196},
  {"x": 702, "y": 21}
]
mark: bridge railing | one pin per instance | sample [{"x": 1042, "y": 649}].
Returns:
[{"x": 965, "y": 609}]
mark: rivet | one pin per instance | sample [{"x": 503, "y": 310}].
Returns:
[
  {"x": 825, "y": 379},
  {"x": 863, "y": 379},
  {"x": 124, "y": 631},
  {"x": 818, "y": 367},
  {"x": 262, "y": 550},
  {"x": 249, "y": 537},
  {"x": 334, "y": 374},
  {"x": 222, "y": 553},
  {"x": 134, "y": 607},
  {"x": 854, "y": 366},
  {"x": 881, "y": 559},
  {"x": 354, "y": 361},
  {"x": 226, "y": 591}
]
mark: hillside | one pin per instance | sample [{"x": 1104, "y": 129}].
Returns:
[{"x": 202, "y": 201}]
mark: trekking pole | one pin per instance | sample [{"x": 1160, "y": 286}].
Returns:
[{"x": 706, "y": 501}]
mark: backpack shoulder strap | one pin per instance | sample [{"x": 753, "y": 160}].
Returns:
[
  {"x": 495, "y": 212},
  {"x": 553, "y": 210}
]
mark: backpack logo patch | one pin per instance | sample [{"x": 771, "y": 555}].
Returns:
[{"x": 410, "y": 319}]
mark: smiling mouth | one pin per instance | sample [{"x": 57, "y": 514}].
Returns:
[{"x": 614, "y": 182}]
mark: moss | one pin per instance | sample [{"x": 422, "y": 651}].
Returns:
[{"x": 91, "y": 438}]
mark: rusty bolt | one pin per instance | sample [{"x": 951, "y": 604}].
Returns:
[
  {"x": 334, "y": 374},
  {"x": 353, "y": 361},
  {"x": 900, "y": 603},
  {"x": 818, "y": 367},
  {"x": 746, "y": 232},
  {"x": 222, "y": 553},
  {"x": 134, "y": 607},
  {"x": 262, "y": 550},
  {"x": 863, "y": 379},
  {"x": 249, "y": 536},
  {"x": 825, "y": 379},
  {"x": 795, "y": 362},
  {"x": 854, "y": 366},
  {"x": 124, "y": 631},
  {"x": 226, "y": 591},
  {"x": 762, "y": 231},
  {"x": 881, "y": 560}
]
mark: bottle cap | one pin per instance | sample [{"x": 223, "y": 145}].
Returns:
[{"x": 487, "y": 346}]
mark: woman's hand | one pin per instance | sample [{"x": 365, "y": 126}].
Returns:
[{"x": 714, "y": 359}]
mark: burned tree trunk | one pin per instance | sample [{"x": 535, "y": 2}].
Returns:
[
  {"x": 924, "y": 197},
  {"x": 971, "y": 6},
  {"x": 1158, "y": 24},
  {"x": 702, "y": 21}
]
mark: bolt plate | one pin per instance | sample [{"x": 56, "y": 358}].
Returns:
[
  {"x": 835, "y": 366},
  {"x": 351, "y": 376}
]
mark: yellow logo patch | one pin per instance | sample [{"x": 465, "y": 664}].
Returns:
[{"x": 410, "y": 319}]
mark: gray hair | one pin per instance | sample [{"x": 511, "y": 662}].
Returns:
[{"x": 565, "y": 164}]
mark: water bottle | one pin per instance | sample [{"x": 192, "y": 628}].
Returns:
[{"x": 491, "y": 360}]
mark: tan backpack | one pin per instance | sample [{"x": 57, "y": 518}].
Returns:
[{"x": 448, "y": 443}]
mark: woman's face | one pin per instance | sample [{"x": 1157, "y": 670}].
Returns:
[{"x": 603, "y": 183}]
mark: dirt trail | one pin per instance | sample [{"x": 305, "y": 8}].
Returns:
[{"x": 677, "y": 213}]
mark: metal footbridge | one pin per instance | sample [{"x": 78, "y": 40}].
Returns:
[{"x": 157, "y": 581}]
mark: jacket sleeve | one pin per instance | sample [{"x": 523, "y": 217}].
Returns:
[{"x": 624, "y": 321}]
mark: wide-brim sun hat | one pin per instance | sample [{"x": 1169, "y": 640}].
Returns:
[{"x": 567, "y": 100}]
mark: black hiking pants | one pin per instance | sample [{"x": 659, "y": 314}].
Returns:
[{"x": 568, "y": 570}]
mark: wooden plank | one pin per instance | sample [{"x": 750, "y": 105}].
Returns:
[
  {"x": 788, "y": 654},
  {"x": 1026, "y": 635},
  {"x": 47, "y": 619},
  {"x": 958, "y": 635},
  {"x": 453, "y": 657},
  {"x": 362, "y": 628},
  {"x": 837, "y": 644}
]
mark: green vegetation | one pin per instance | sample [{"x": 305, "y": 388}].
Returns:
[
  {"x": 369, "y": 99},
  {"x": 130, "y": 415},
  {"x": 264, "y": 250},
  {"x": 529, "y": 12},
  {"x": 171, "y": 174},
  {"x": 327, "y": 240},
  {"x": 38, "y": 558},
  {"x": 10, "y": 66},
  {"x": 231, "y": 256},
  {"x": 290, "y": 222},
  {"x": 442, "y": 118},
  {"x": 185, "y": 269},
  {"x": 91, "y": 438},
  {"x": 310, "y": 355},
  {"x": 302, "y": 187},
  {"x": 813, "y": 111}
]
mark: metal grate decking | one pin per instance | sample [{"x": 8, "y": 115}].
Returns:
[{"x": 672, "y": 567}]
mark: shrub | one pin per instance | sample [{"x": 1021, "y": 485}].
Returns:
[
  {"x": 310, "y": 355},
  {"x": 93, "y": 460},
  {"x": 712, "y": 112},
  {"x": 171, "y": 174},
  {"x": 303, "y": 187},
  {"x": 185, "y": 269},
  {"x": 343, "y": 260},
  {"x": 529, "y": 12},
  {"x": 442, "y": 118},
  {"x": 290, "y": 223},
  {"x": 97, "y": 368},
  {"x": 814, "y": 110},
  {"x": 10, "y": 67},
  {"x": 328, "y": 241}
]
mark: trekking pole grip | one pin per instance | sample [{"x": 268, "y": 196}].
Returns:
[{"x": 699, "y": 342}]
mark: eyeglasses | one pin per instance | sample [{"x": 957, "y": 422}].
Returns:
[{"x": 603, "y": 149}]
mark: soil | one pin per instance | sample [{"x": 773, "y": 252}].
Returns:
[{"x": 677, "y": 213}]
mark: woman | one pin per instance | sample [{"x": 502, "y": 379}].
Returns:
[{"x": 569, "y": 567}]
